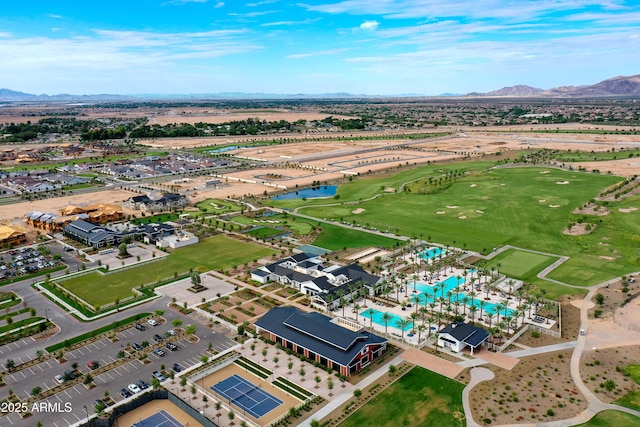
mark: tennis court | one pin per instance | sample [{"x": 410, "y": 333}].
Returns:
[
  {"x": 247, "y": 396},
  {"x": 159, "y": 419}
]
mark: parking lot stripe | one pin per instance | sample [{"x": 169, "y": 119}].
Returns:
[
  {"x": 23, "y": 375},
  {"x": 80, "y": 393},
  {"x": 80, "y": 351},
  {"x": 67, "y": 393},
  {"x": 109, "y": 375},
  {"x": 58, "y": 397},
  {"x": 125, "y": 368},
  {"x": 41, "y": 368},
  {"x": 31, "y": 370},
  {"x": 48, "y": 365},
  {"x": 95, "y": 346},
  {"x": 8, "y": 417}
]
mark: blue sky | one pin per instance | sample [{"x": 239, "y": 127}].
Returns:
[{"x": 375, "y": 47}]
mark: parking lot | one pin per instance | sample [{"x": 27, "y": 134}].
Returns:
[
  {"x": 26, "y": 260},
  {"x": 105, "y": 352}
]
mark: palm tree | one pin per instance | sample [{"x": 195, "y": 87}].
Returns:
[
  {"x": 499, "y": 307},
  {"x": 510, "y": 284},
  {"x": 402, "y": 324},
  {"x": 415, "y": 299},
  {"x": 386, "y": 318},
  {"x": 472, "y": 311},
  {"x": 420, "y": 329},
  {"x": 370, "y": 312},
  {"x": 472, "y": 295},
  {"x": 482, "y": 304},
  {"x": 356, "y": 308},
  {"x": 343, "y": 303},
  {"x": 330, "y": 298},
  {"x": 413, "y": 316},
  {"x": 397, "y": 286}
]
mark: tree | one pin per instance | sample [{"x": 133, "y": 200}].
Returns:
[
  {"x": 155, "y": 383},
  {"x": 318, "y": 380},
  {"x": 176, "y": 323},
  {"x": 370, "y": 312},
  {"x": 36, "y": 391},
  {"x": 330, "y": 386},
  {"x": 600, "y": 299},
  {"x": 122, "y": 249},
  {"x": 231, "y": 416},
  {"x": 195, "y": 278},
  {"x": 190, "y": 330},
  {"x": 357, "y": 393},
  {"x": 386, "y": 318},
  {"x": 392, "y": 370},
  {"x": 402, "y": 324},
  {"x": 10, "y": 364}
]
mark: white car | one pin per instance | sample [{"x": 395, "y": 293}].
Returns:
[
  {"x": 59, "y": 379},
  {"x": 133, "y": 388},
  {"x": 152, "y": 322}
]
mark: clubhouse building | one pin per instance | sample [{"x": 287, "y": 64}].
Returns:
[
  {"x": 324, "y": 283},
  {"x": 459, "y": 335},
  {"x": 320, "y": 338}
]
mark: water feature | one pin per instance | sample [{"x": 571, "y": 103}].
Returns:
[
  {"x": 309, "y": 193},
  {"x": 377, "y": 319}
]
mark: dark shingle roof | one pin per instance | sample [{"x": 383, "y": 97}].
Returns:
[
  {"x": 316, "y": 333},
  {"x": 466, "y": 333}
]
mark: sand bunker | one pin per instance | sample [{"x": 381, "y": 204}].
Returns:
[
  {"x": 502, "y": 185},
  {"x": 627, "y": 210},
  {"x": 357, "y": 211},
  {"x": 562, "y": 182},
  {"x": 440, "y": 213},
  {"x": 608, "y": 258},
  {"x": 554, "y": 206},
  {"x": 473, "y": 185},
  {"x": 453, "y": 207},
  {"x": 542, "y": 200},
  {"x": 544, "y": 171},
  {"x": 480, "y": 212},
  {"x": 389, "y": 190},
  {"x": 462, "y": 217}
]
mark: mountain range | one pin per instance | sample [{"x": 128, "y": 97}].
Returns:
[{"x": 616, "y": 87}]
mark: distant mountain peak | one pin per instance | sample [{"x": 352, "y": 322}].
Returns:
[{"x": 517, "y": 90}]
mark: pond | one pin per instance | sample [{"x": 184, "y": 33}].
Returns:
[{"x": 309, "y": 193}]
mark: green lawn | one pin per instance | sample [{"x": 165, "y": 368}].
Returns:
[
  {"x": 585, "y": 156},
  {"x": 632, "y": 399},
  {"x": 214, "y": 253},
  {"x": 156, "y": 218},
  {"x": 336, "y": 238},
  {"x": 217, "y": 206},
  {"x": 419, "y": 398},
  {"x": 488, "y": 208},
  {"x": 612, "y": 418},
  {"x": 520, "y": 264},
  {"x": 264, "y": 232}
]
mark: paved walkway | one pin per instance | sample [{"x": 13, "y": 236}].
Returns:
[
  {"x": 477, "y": 375},
  {"x": 433, "y": 363}
]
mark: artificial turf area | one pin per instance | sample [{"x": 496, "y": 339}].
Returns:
[
  {"x": 612, "y": 418},
  {"x": 526, "y": 207},
  {"x": 214, "y": 253},
  {"x": 420, "y": 398}
]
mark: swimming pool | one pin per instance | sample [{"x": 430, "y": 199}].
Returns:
[
  {"x": 376, "y": 317},
  {"x": 309, "y": 193},
  {"x": 431, "y": 253},
  {"x": 426, "y": 296}
]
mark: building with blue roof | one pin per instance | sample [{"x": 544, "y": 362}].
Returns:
[
  {"x": 346, "y": 349},
  {"x": 459, "y": 335}
]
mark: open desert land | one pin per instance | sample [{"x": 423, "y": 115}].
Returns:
[
  {"x": 15, "y": 212},
  {"x": 212, "y": 115}
]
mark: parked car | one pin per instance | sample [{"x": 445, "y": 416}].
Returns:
[
  {"x": 152, "y": 322},
  {"x": 159, "y": 352},
  {"x": 133, "y": 388},
  {"x": 171, "y": 346},
  {"x": 177, "y": 367},
  {"x": 159, "y": 376},
  {"x": 157, "y": 337},
  {"x": 59, "y": 379},
  {"x": 139, "y": 327},
  {"x": 99, "y": 404},
  {"x": 172, "y": 332},
  {"x": 124, "y": 393},
  {"x": 93, "y": 365},
  {"x": 136, "y": 346},
  {"x": 143, "y": 385}
]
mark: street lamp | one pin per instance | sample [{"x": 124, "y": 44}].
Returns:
[
  {"x": 86, "y": 412},
  {"x": 46, "y": 314}
]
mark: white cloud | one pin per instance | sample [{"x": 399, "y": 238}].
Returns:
[
  {"x": 218, "y": 5},
  {"x": 322, "y": 52},
  {"x": 289, "y": 23},
  {"x": 54, "y": 16},
  {"x": 369, "y": 25}
]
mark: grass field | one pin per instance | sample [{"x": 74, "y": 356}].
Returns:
[
  {"x": 264, "y": 232},
  {"x": 217, "y": 206},
  {"x": 419, "y": 398},
  {"x": 525, "y": 266},
  {"x": 487, "y": 208},
  {"x": 214, "y": 253},
  {"x": 612, "y": 418},
  {"x": 336, "y": 238},
  {"x": 584, "y": 156}
]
